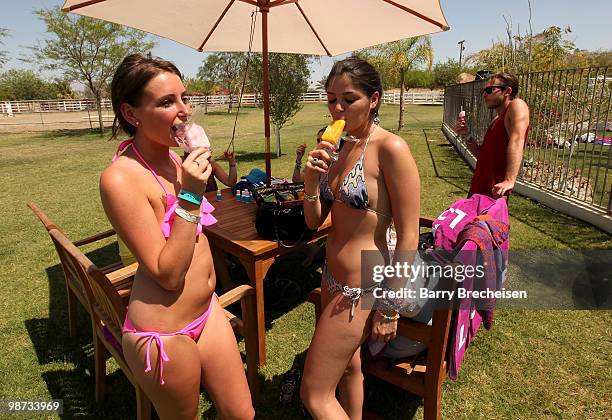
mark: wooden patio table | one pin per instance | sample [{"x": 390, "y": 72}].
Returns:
[{"x": 235, "y": 234}]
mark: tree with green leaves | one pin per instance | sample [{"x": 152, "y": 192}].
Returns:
[
  {"x": 225, "y": 70},
  {"x": 446, "y": 73},
  {"x": 22, "y": 85},
  {"x": 549, "y": 50},
  {"x": 395, "y": 59},
  {"x": 3, "y": 54},
  {"x": 25, "y": 85},
  {"x": 419, "y": 79},
  {"x": 86, "y": 50},
  {"x": 289, "y": 75}
]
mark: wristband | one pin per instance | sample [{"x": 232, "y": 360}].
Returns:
[
  {"x": 232, "y": 165},
  {"x": 190, "y": 197},
  {"x": 298, "y": 165},
  {"x": 185, "y": 215}
]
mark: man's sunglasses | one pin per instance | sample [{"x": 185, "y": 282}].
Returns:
[{"x": 489, "y": 89}]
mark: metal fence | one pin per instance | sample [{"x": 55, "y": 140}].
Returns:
[{"x": 569, "y": 143}]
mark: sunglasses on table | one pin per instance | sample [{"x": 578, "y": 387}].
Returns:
[{"x": 489, "y": 89}]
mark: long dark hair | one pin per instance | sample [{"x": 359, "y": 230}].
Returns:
[
  {"x": 363, "y": 75},
  {"x": 131, "y": 76}
]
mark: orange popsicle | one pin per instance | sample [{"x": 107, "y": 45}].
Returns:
[{"x": 333, "y": 131}]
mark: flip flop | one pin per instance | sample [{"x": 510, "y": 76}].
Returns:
[{"x": 289, "y": 385}]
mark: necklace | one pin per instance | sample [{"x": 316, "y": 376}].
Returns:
[{"x": 352, "y": 139}]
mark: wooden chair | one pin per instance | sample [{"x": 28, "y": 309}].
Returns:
[
  {"x": 423, "y": 380},
  {"x": 121, "y": 277},
  {"x": 108, "y": 310}
]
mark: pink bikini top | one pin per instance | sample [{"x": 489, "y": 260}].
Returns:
[{"x": 206, "y": 208}]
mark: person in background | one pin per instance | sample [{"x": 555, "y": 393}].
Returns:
[
  {"x": 176, "y": 337},
  {"x": 298, "y": 176},
  {"x": 227, "y": 178},
  {"x": 499, "y": 158}
]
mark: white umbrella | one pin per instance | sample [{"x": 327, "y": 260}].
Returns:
[{"x": 318, "y": 27}]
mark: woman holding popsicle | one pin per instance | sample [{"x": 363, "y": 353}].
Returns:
[
  {"x": 175, "y": 335},
  {"x": 370, "y": 182}
]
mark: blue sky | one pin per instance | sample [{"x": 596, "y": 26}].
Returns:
[{"x": 477, "y": 22}]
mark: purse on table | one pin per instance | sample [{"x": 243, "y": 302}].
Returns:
[{"x": 280, "y": 214}]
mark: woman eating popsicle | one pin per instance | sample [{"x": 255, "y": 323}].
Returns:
[
  {"x": 369, "y": 182},
  {"x": 176, "y": 337}
]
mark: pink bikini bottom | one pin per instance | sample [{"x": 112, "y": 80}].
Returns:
[{"x": 192, "y": 330}]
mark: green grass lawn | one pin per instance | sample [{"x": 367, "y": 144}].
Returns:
[{"x": 533, "y": 364}]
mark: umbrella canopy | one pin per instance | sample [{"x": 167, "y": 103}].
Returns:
[{"x": 318, "y": 27}]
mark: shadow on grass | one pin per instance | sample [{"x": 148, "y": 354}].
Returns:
[
  {"x": 285, "y": 287},
  {"x": 76, "y": 387},
  {"x": 223, "y": 111},
  {"x": 53, "y": 346},
  {"x": 560, "y": 227},
  {"x": 72, "y": 133},
  {"x": 381, "y": 398},
  {"x": 249, "y": 157}
]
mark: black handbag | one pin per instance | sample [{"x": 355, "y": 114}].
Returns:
[{"x": 280, "y": 214}]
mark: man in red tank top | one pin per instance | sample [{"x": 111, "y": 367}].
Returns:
[{"x": 499, "y": 157}]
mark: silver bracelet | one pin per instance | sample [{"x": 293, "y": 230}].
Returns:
[
  {"x": 311, "y": 198},
  {"x": 185, "y": 215}
]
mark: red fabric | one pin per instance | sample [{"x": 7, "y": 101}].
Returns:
[{"x": 492, "y": 158}]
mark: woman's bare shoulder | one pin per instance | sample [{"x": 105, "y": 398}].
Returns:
[
  {"x": 391, "y": 144},
  {"x": 121, "y": 173}
]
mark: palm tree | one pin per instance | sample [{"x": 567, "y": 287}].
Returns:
[
  {"x": 396, "y": 58},
  {"x": 3, "y": 54}
]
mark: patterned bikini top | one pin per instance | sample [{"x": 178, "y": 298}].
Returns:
[{"x": 353, "y": 189}]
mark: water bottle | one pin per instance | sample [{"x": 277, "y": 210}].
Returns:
[
  {"x": 464, "y": 136},
  {"x": 238, "y": 195},
  {"x": 219, "y": 196}
]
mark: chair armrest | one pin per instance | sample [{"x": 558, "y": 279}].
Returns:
[
  {"x": 426, "y": 221},
  {"x": 235, "y": 295},
  {"x": 95, "y": 238},
  {"x": 123, "y": 273}
]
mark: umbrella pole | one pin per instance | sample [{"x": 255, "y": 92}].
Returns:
[{"x": 263, "y": 8}]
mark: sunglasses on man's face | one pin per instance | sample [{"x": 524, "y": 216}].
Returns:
[{"x": 489, "y": 89}]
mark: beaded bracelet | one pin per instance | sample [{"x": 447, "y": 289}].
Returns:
[
  {"x": 190, "y": 197},
  {"x": 387, "y": 317}
]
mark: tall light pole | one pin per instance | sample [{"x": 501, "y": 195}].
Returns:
[{"x": 461, "y": 48}]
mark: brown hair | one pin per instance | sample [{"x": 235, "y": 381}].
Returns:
[
  {"x": 509, "y": 80},
  {"x": 129, "y": 81},
  {"x": 363, "y": 75}
]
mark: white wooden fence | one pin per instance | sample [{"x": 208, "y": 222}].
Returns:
[{"x": 9, "y": 108}]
